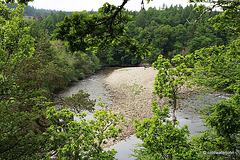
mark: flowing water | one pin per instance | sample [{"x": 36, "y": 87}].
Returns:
[{"x": 187, "y": 115}]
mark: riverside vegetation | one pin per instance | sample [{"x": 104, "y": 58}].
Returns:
[{"x": 42, "y": 55}]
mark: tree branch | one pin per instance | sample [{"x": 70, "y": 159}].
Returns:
[{"x": 105, "y": 19}]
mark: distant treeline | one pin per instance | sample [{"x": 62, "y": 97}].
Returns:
[{"x": 167, "y": 31}]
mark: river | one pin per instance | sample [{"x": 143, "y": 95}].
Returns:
[{"x": 187, "y": 115}]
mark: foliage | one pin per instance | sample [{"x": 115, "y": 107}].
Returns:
[
  {"x": 125, "y": 52},
  {"x": 223, "y": 134},
  {"x": 199, "y": 42},
  {"x": 34, "y": 13},
  {"x": 51, "y": 58},
  {"x": 174, "y": 27},
  {"x": 21, "y": 121},
  {"x": 228, "y": 20},
  {"x": 15, "y": 45},
  {"x": 85, "y": 64},
  {"x": 81, "y": 31},
  {"x": 18, "y": 1},
  {"x": 78, "y": 102},
  {"x": 49, "y": 23},
  {"x": 170, "y": 31},
  {"x": 38, "y": 69},
  {"x": 169, "y": 80},
  {"x": 42, "y": 44},
  {"x": 41, "y": 64},
  {"x": 162, "y": 140},
  {"x": 22, "y": 126},
  {"x": 218, "y": 67},
  {"x": 22, "y": 106},
  {"x": 21, "y": 118},
  {"x": 69, "y": 139},
  {"x": 165, "y": 32}
]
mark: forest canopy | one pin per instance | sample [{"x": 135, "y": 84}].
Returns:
[{"x": 42, "y": 52}]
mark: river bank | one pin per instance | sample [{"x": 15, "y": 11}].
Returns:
[{"x": 131, "y": 90}]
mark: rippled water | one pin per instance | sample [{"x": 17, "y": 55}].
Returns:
[{"x": 187, "y": 115}]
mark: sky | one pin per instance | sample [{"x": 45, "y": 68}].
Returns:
[{"x": 80, "y": 5}]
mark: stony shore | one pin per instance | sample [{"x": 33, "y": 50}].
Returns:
[{"x": 131, "y": 89}]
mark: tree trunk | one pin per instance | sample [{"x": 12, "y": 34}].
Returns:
[{"x": 174, "y": 109}]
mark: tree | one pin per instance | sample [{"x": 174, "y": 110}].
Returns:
[
  {"x": 162, "y": 140},
  {"x": 223, "y": 122},
  {"x": 77, "y": 103},
  {"x": 61, "y": 15},
  {"x": 18, "y": 1},
  {"x": 170, "y": 79},
  {"x": 180, "y": 34},
  {"x": 69, "y": 139},
  {"x": 49, "y": 24},
  {"x": 198, "y": 43},
  {"x": 23, "y": 107},
  {"x": 163, "y": 38},
  {"x": 81, "y": 31},
  {"x": 218, "y": 67},
  {"x": 180, "y": 37},
  {"x": 22, "y": 121},
  {"x": 141, "y": 19},
  {"x": 228, "y": 20},
  {"x": 15, "y": 45}
]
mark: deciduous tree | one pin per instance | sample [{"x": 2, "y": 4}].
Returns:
[
  {"x": 170, "y": 78},
  {"x": 69, "y": 139},
  {"x": 16, "y": 45},
  {"x": 162, "y": 140}
]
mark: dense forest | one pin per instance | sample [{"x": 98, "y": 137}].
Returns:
[
  {"x": 44, "y": 53},
  {"x": 167, "y": 31}
]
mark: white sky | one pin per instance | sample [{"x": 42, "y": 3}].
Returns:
[{"x": 80, "y": 5}]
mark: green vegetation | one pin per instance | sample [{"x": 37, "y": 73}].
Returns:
[
  {"x": 167, "y": 31},
  {"x": 216, "y": 67},
  {"x": 69, "y": 139},
  {"x": 171, "y": 78},
  {"x": 43, "y": 55},
  {"x": 161, "y": 140},
  {"x": 78, "y": 102},
  {"x": 32, "y": 67}
]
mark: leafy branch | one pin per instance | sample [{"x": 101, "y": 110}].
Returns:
[{"x": 170, "y": 79}]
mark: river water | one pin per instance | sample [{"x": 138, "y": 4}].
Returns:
[
  {"x": 92, "y": 85},
  {"x": 187, "y": 115}
]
